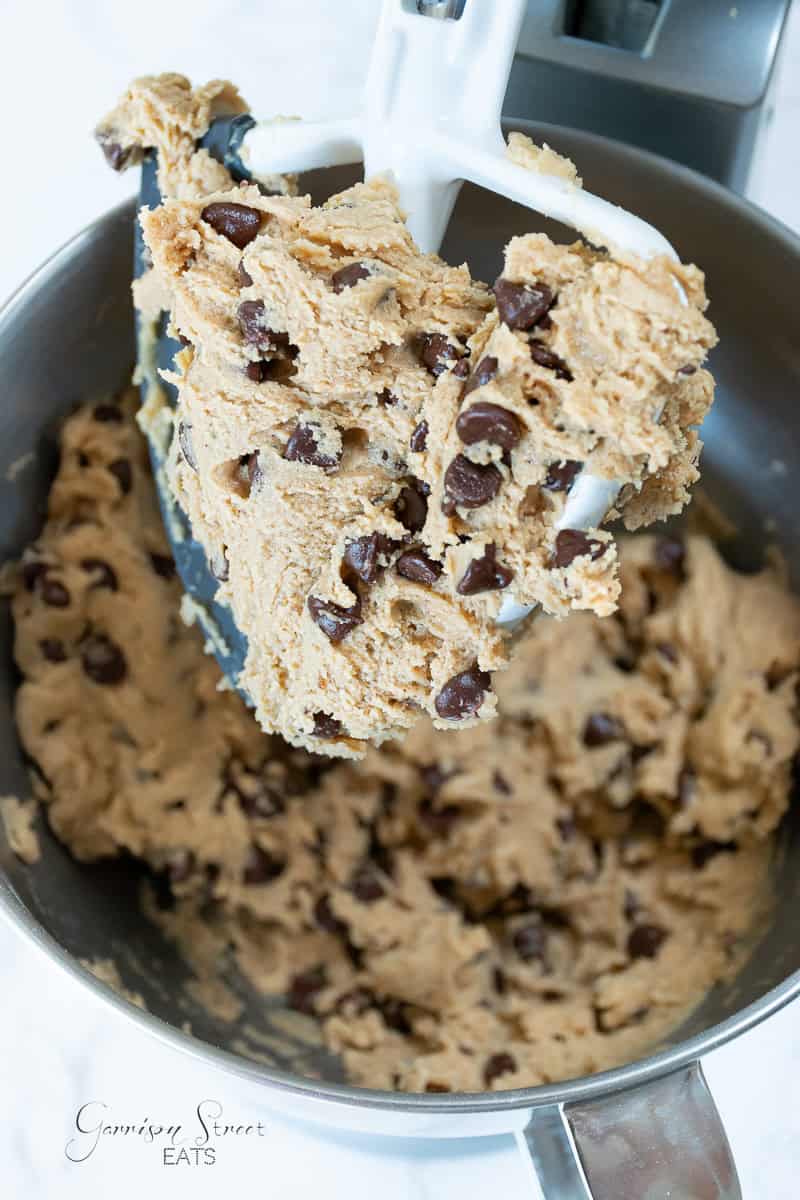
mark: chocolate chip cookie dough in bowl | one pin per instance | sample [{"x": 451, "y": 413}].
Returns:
[{"x": 64, "y": 904}]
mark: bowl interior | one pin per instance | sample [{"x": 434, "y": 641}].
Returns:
[{"x": 68, "y": 335}]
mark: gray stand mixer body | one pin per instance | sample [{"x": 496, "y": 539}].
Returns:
[{"x": 688, "y": 79}]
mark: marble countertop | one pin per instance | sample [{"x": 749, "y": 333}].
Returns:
[{"x": 61, "y": 1047}]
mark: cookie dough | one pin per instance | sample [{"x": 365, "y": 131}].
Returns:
[
  {"x": 18, "y": 817},
  {"x": 545, "y": 897},
  {"x": 375, "y": 448}
]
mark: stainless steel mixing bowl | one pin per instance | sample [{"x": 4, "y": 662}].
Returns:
[{"x": 643, "y": 1129}]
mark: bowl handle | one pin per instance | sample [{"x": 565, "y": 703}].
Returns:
[{"x": 660, "y": 1139}]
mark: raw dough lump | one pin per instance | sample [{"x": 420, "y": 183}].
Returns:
[
  {"x": 543, "y": 897},
  {"x": 375, "y": 449}
]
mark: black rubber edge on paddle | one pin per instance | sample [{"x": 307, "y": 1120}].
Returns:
[{"x": 223, "y": 140}]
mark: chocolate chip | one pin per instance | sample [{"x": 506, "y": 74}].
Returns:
[
  {"x": 326, "y": 726},
  {"x": 710, "y": 849},
  {"x": 252, "y": 318},
  {"x": 670, "y": 556},
  {"x": 104, "y": 575},
  {"x": 115, "y": 155},
  {"x": 416, "y": 566},
  {"x": 461, "y": 369},
  {"x": 107, "y": 413},
  {"x": 362, "y": 556},
  {"x": 163, "y": 565},
  {"x": 326, "y": 918},
  {"x": 260, "y": 866},
  {"x": 411, "y": 507},
  {"x": 530, "y": 941},
  {"x": 572, "y": 543},
  {"x": 445, "y": 887},
  {"x": 303, "y": 989},
  {"x": 484, "y": 574},
  {"x": 463, "y": 694},
  {"x": 245, "y": 278},
  {"x": 438, "y": 819},
  {"x": 180, "y": 865},
  {"x": 239, "y": 223},
  {"x": 484, "y": 422},
  {"x": 261, "y": 371},
  {"x": 433, "y": 1086},
  {"x": 396, "y": 1014},
  {"x": 32, "y": 572},
  {"x": 561, "y": 476},
  {"x": 501, "y": 784},
  {"x": 334, "y": 621},
  {"x": 521, "y": 305},
  {"x": 484, "y": 373},
  {"x": 366, "y": 886},
  {"x": 349, "y": 276},
  {"x": 355, "y": 1002},
  {"x": 645, "y": 941},
  {"x": 646, "y": 825},
  {"x": 419, "y": 438},
  {"x": 355, "y": 954},
  {"x": 550, "y": 361},
  {"x": 437, "y": 353},
  {"x": 386, "y": 399},
  {"x": 470, "y": 484},
  {"x": 687, "y": 370},
  {"x": 302, "y": 447},
  {"x": 55, "y": 594},
  {"x": 497, "y": 1065},
  {"x": 499, "y": 981},
  {"x": 103, "y": 661},
  {"x": 185, "y": 443},
  {"x": 600, "y": 729},
  {"x": 123, "y": 473},
  {"x": 53, "y": 650}
]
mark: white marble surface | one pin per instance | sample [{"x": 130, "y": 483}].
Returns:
[{"x": 59, "y": 1046}]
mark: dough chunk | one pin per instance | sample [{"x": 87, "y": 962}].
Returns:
[{"x": 374, "y": 448}]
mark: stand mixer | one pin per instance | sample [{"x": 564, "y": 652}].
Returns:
[{"x": 647, "y": 1125}]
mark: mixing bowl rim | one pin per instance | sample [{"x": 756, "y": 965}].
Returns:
[{"x": 625, "y": 1077}]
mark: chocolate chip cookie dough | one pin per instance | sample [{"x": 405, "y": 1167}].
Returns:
[
  {"x": 375, "y": 448},
  {"x": 545, "y": 897}
]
